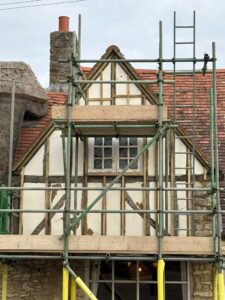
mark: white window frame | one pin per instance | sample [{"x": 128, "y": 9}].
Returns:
[{"x": 115, "y": 157}]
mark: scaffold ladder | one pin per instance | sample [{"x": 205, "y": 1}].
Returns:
[{"x": 180, "y": 104}]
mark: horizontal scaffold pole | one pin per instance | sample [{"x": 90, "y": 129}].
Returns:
[
  {"x": 84, "y": 188},
  {"x": 107, "y": 257},
  {"x": 114, "y": 211},
  {"x": 141, "y": 60}
]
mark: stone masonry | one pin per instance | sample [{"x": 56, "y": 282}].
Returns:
[
  {"x": 38, "y": 280},
  {"x": 61, "y": 48},
  {"x": 202, "y": 272}
]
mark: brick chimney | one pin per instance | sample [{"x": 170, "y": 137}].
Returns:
[{"x": 62, "y": 43}]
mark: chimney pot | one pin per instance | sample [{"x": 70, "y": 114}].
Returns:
[{"x": 64, "y": 24}]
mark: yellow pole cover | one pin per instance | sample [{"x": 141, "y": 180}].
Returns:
[
  {"x": 85, "y": 289},
  {"x": 221, "y": 286},
  {"x": 160, "y": 279},
  {"x": 4, "y": 281},
  {"x": 215, "y": 283},
  {"x": 65, "y": 287},
  {"x": 73, "y": 289}
]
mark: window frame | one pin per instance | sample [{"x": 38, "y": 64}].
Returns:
[
  {"x": 115, "y": 157},
  {"x": 138, "y": 281}
]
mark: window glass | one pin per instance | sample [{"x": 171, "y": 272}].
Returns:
[
  {"x": 103, "y": 153},
  {"x": 114, "y": 154},
  {"x": 137, "y": 280}
]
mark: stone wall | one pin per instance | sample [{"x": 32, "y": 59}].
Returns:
[
  {"x": 61, "y": 48},
  {"x": 202, "y": 281},
  {"x": 38, "y": 280},
  {"x": 202, "y": 272}
]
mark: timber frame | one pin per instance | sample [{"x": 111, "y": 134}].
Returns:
[{"x": 153, "y": 122}]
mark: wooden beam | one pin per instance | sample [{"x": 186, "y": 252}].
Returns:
[
  {"x": 138, "y": 114},
  {"x": 108, "y": 244}
]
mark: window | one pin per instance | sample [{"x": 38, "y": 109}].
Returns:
[
  {"x": 137, "y": 280},
  {"x": 111, "y": 154},
  {"x": 128, "y": 149},
  {"x": 103, "y": 154}
]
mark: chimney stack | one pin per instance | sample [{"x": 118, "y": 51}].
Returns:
[{"x": 62, "y": 43}]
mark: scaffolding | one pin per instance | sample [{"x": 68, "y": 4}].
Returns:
[{"x": 161, "y": 130}]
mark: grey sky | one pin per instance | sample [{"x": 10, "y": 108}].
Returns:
[{"x": 130, "y": 24}]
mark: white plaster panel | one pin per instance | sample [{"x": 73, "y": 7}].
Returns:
[
  {"x": 135, "y": 101},
  {"x": 94, "y": 220},
  {"x": 199, "y": 169},
  {"x": 113, "y": 220},
  {"x": 57, "y": 220},
  {"x": 94, "y": 90},
  {"x": 134, "y": 222},
  {"x": 152, "y": 206},
  {"x": 151, "y": 159},
  {"x": 80, "y": 157},
  {"x": 182, "y": 205},
  {"x": 121, "y": 89},
  {"x": 106, "y": 75},
  {"x": 56, "y": 154},
  {"x": 94, "y": 102},
  {"x": 81, "y": 101},
  {"x": 32, "y": 200},
  {"x": 121, "y": 101},
  {"x": 35, "y": 165},
  {"x": 167, "y": 206},
  {"x": 106, "y": 103},
  {"x": 134, "y": 90},
  {"x": 180, "y": 159}
]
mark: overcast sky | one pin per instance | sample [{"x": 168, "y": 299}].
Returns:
[{"x": 132, "y": 25}]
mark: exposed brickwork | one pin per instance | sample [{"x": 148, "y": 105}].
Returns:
[{"x": 38, "y": 280}]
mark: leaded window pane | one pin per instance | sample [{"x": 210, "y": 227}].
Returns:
[
  {"x": 98, "y": 141},
  {"x": 108, "y": 152},
  {"x": 107, "y": 164},
  {"x": 123, "y": 163},
  {"x": 134, "y": 164},
  {"x": 98, "y": 152},
  {"x": 123, "y": 152},
  {"x": 108, "y": 141},
  {"x": 123, "y": 141},
  {"x": 133, "y": 152},
  {"x": 98, "y": 164}
]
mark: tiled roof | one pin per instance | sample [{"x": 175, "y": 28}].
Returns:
[{"x": 29, "y": 135}]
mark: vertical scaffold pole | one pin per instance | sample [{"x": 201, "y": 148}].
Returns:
[
  {"x": 213, "y": 202},
  {"x": 174, "y": 218},
  {"x": 161, "y": 264},
  {"x": 68, "y": 173},
  {"x": 218, "y": 245},
  {"x": 220, "y": 276},
  {"x": 11, "y": 138}
]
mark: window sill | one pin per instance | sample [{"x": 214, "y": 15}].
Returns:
[{"x": 108, "y": 173}]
